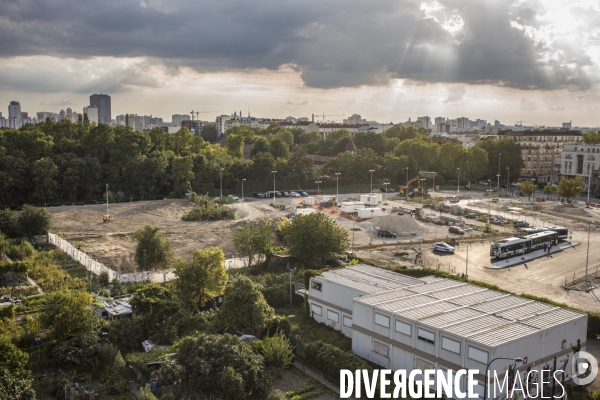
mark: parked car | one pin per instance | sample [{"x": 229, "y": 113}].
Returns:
[
  {"x": 445, "y": 247},
  {"x": 231, "y": 196},
  {"x": 295, "y": 194},
  {"x": 520, "y": 224},
  {"x": 382, "y": 233},
  {"x": 483, "y": 183},
  {"x": 259, "y": 195},
  {"x": 388, "y": 190},
  {"x": 304, "y": 194},
  {"x": 456, "y": 229},
  {"x": 285, "y": 194}
]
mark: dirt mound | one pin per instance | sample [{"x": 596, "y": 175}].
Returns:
[
  {"x": 401, "y": 225},
  {"x": 570, "y": 210}
]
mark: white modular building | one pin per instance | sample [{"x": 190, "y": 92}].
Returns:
[
  {"x": 331, "y": 295},
  {"x": 400, "y": 322},
  {"x": 369, "y": 212}
]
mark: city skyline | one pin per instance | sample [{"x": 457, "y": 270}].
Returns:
[{"x": 387, "y": 61}]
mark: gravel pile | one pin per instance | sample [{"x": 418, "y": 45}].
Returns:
[
  {"x": 570, "y": 210},
  {"x": 401, "y": 225}
]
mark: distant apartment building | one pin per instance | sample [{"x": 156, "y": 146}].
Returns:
[
  {"x": 252, "y": 122},
  {"x": 581, "y": 160},
  {"x": 102, "y": 103},
  {"x": 14, "y": 114},
  {"x": 134, "y": 122},
  {"x": 542, "y": 150},
  {"x": 567, "y": 125},
  {"x": 44, "y": 115},
  {"x": 92, "y": 113},
  {"x": 176, "y": 119},
  {"x": 325, "y": 129},
  {"x": 148, "y": 121},
  {"x": 72, "y": 116},
  {"x": 306, "y": 126},
  {"x": 463, "y": 124},
  {"x": 355, "y": 119},
  {"x": 120, "y": 119},
  {"x": 220, "y": 124},
  {"x": 414, "y": 124},
  {"x": 426, "y": 122}
]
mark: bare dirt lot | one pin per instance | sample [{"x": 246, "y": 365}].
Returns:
[{"x": 113, "y": 243}]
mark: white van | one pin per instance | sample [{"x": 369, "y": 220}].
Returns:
[{"x": 454, "y": 199}]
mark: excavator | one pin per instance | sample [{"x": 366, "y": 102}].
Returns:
[{"x": 403, "y": 188}]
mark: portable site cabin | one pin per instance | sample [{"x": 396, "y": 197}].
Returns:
[
  {"x": 449, "y": 325},
  {"x": 369, "y": 199},
  {"x": 368, "y": 212},
  {"x": 347, "y": 206},
  {"x": 359, "y": 205},
  {"x": 304, "y": 211},
  {"x": 310, "y": 201}
]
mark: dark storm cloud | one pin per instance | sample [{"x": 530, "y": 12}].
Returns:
[{"x": 339, "y": 43}]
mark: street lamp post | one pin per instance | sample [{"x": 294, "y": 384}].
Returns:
[
  {"x": 107, "y": 213},
  {"x": 487, "y": 369},
  {"x": 423, "y": 192},
  {"x": 406, "y": 190},
  {"x": 243, "y": 196},
  {"x": 587, "y": 257},
  {"x": 273, "y": 172},
  {"x": 371, "y": 171},
  {"x": 498, "y": 187},
  {"x": 318, "y": 187},
  {"x": 467, "y": 262},
  {"x": 489, "y": 199},
  {"x": 589, "y": 185},
  {"x": 221, "y": 180},
  {"x": 386, "y": 190},
  {"x": 337, "y": 189},
  {"x": 507, "y": 180},
  {"x": 458, "y": 184}
]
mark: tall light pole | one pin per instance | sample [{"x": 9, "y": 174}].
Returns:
[
  {"x": 458, "y": 184},
  {"x": 107, "y": 199},
  {"x": 489, "y": 199},
  {"x": 507, "y": 180},
  {"x": 589, "y": 184},
  {"x": 386, "y": 190},
  {"x": 406, "y": 190},
  {"x": 485, "y": 388},
  {"x": 467, "y": 262},
  {"x": 371, "y": 171},
  {"x": 498, "y": 187},
  {"x": 221, "y": 180},
  {"x": 273, "y": 172},
  {"x": 318, "y": 187},
  {"x": 243, "y": 190},
  {"x": 337, "y": 189},
  {"x": 532, "y": 197},
  {"x": 423, "y": 192},
  {"x": 587, "y": 257},
  {"x": 243, "y": 195}
]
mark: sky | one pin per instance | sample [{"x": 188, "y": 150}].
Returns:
[{"x": 535, "y": 61}]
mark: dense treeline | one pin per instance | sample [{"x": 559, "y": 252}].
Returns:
[{"x": 64, "y": 161}]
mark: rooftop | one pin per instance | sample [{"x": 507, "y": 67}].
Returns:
[{"x": 481, "y": 315}]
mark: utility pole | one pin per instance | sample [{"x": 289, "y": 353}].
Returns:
[
  {"x": 273, "y": 172},
  {"x": 587, "y": 257},
  {"x": 371, "y": 171},
  {"x": 221, "y": 180},
  {"x": 107, "y": 213},
  {"x": 406, "y": 190},
  {"x": 507, "y": 180},
  {"x": 458, "y": 184},
  {"x": 337, "y": 190},
  {"x": 243, "y": 195},
  {"x": 489, "y": 199}
]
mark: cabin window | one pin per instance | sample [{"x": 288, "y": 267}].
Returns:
[
  {"x": 426, "y": 336},
  {"x": 317, "y": 310},
  {"x": 382, "y": 320},
  {"x": 403, "y": 327},
  {"x": 316, "y": 285}
]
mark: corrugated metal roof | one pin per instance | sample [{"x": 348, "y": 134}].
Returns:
[
  {"x": 452, "y": 317},
  {"x": 485, "y": 316},
  {"x": 353, "y": 283},
  {"x": 439, "y": 284},
  {"x": 408, "y": 302},
  {"x": 408, "y": 280},
  {"x": 370, "y": 279},
  {"x": 498, "y": 335},
  {"x": 430, "y": 310}
]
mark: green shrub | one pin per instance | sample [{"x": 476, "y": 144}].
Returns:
[
  {"x": 303, "y": 389},
  {"x": 22, "y": 250},
  {"x": 277, "y": 351},
  {"x": 210, "y": 213}
]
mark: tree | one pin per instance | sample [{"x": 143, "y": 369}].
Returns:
[
  {"x": 223, "y": 366},
  {"x": 152, "y": 251},
  {"x": 279, "y": 148},
  {"x": 261, "y": 145},
  {"x": 182, "y": 142},
  {"x": 209, "y": 133},
  {"x": 235, "y": 145},
  {"x": 477, "y": 162},
  {"x": 201, "y": 279},
  {"x": 424, "y": 152},
  {"x": 451, "y": 156},
  {"x": 182, "y": 173},
  {"x": 527, "y": 188},
  {"x": 44, "y": 173},
  {"x": 253, "y": 240},
  {"x": 34, "y": 221},
  {"x": 13, "y": 387},
  {"x": 12, "y": 358},
  {"x": 592, "y": 137},
  {"x": 4, "y": 243},
  {"x": 510, "y": 156},
  {"x": 315, "y": 238},
  {"x": 549, "y": 189},
  {"x": 570, "y": 187},
  {"x": 300, "y": 167},
  {"x": 244, "y": 306},
  {"x": 8, "y": 223},
  {"x": 69, "y": 314}
]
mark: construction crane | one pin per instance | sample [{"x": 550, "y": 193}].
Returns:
[
  {"x": 403, "y": 188},
  {"x": 201, "y": 112},
  {"x": 331, "y": 115}
]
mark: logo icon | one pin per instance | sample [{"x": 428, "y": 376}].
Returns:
[{"x": 584, "y": 368}]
